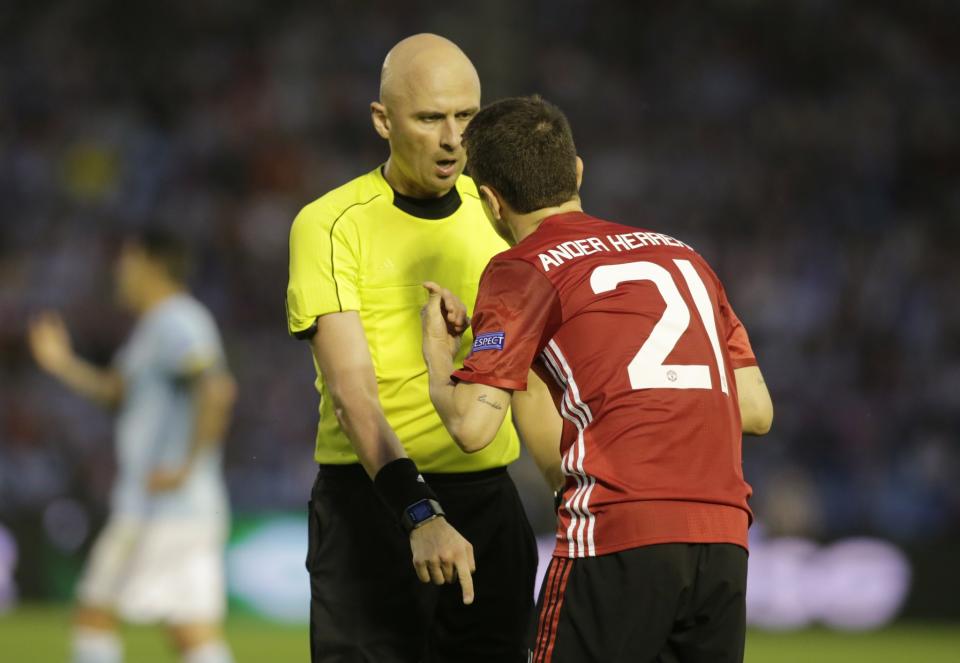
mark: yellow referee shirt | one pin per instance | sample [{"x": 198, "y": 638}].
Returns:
[{"x": 359, "y": 249}]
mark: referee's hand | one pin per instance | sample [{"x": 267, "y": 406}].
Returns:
[{"x": 441, "y": 555}]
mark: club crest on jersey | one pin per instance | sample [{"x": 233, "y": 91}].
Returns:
[{"x": 488, "y": 341}]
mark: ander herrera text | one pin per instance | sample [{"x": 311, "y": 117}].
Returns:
[{"x": 577, "y": 248}]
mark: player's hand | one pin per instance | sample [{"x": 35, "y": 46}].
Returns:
[
  {"x": 444, "y": 318},
  {"x": 49, "y": 342},
  {"x": 441, "y": 555},
  {"x": 163, "y": 480}
]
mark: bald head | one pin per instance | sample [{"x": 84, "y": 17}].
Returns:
[
  {"x": 429, "y": 91},
  {"x": 424, "y": 60}
]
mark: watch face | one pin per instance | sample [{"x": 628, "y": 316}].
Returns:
[{"x": 420, "y": 511}]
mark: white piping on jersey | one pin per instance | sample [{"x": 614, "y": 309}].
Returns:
[
  {"x": 574, "y": 417},
  {"x": 574, "y": 410},
  {"x": 573, "y": 463},
  {"x": 591, "y": 481},
  {"x": 566, "y": 402}
]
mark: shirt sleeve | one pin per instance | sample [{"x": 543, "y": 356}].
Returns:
[
  {"x": 738, "y": 343},
  {"x": 189, "y": 346},
  {"x": 516, "y": 311},
  {"x": 324, "y": 269}
]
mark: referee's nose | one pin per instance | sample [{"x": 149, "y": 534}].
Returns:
[{"x": 451, "y": 135}]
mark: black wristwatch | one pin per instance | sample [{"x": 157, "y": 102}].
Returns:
[{"x": 420, "y": 513}]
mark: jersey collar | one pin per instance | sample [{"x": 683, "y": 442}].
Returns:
[
  {"x": 556, "y": 218},
  {"x": 432, "y": 209}
]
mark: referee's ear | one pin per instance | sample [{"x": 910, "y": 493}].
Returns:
[
  {"x": 579, "y": 172},
  {"x": 381, "y": 124}
]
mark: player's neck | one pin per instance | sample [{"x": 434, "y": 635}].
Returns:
[
  {"x": 156, "y": 294},
  {"x": 524, "y": 225}
]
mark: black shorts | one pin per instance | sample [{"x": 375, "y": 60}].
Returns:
[
  {"x": 670, "y": 603},
  {"x": 367, "y": 604}
]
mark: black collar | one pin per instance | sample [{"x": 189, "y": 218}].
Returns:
[{"x": 429, "y": 208}]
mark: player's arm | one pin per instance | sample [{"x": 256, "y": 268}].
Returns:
[
  {"x": 214, "y": 395},
  {"x": 472, "y": 413},
  {"x": 540, "y": 427},
  {"x": 52, "y": 349},
  {"x": 516, "y": 305},
  {"x": 756, "y": 407},
  {"x": 213, "y": 392}
]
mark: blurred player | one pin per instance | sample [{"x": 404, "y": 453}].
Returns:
[
  {"x": 654, "y": 377},
  {"x": 159, "y": 558},
  {"x": 357, "y": 258}
]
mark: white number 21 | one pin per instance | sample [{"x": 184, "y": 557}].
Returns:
[{"x": 647, "y": 370}]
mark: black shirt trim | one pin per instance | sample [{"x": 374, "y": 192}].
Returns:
[
  {"x": 333, "y": 264},
  {"x": 306, "y": 334},
  {"x": 311, "y": 331},
  {"x": 432, "y": 209}
]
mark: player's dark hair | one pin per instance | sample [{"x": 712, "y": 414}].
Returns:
[
  {"x": 523, "y": 148},
  {"x": 167, "y": 249}
]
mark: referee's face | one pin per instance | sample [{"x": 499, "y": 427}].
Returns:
[{"x": 424, "y": 124}]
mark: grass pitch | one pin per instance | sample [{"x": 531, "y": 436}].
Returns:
[{"x": 38, "y": 634}]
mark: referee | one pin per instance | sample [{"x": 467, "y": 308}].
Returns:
[{"x": 390, "y": 477}]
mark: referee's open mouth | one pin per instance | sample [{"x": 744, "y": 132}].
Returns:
[{"x": 446, "y": 167}]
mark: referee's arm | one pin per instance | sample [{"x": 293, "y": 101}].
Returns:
[
  {"x": 343, "y": 355},
  {"x": 440, "y": 554}
]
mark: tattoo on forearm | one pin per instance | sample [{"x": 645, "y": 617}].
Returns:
[{"x": 495, "y": 406}]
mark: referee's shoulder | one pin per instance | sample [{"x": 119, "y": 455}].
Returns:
[
  {"x": 468, "y": 188},
  {"x": 331, "y": 206}
]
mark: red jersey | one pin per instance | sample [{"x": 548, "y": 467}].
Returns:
[{"x": 633, "y": 333}]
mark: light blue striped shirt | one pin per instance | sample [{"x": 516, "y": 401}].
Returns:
[{"x": 171, "y": 343}]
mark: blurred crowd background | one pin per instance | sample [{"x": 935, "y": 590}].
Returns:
[{"x": 809, "y": 149}]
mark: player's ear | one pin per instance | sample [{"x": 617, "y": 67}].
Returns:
[
  {"x": 579, "y": 172},
  {"x": 381, "y": 123},
  {"x": 492, "y": 201}
]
